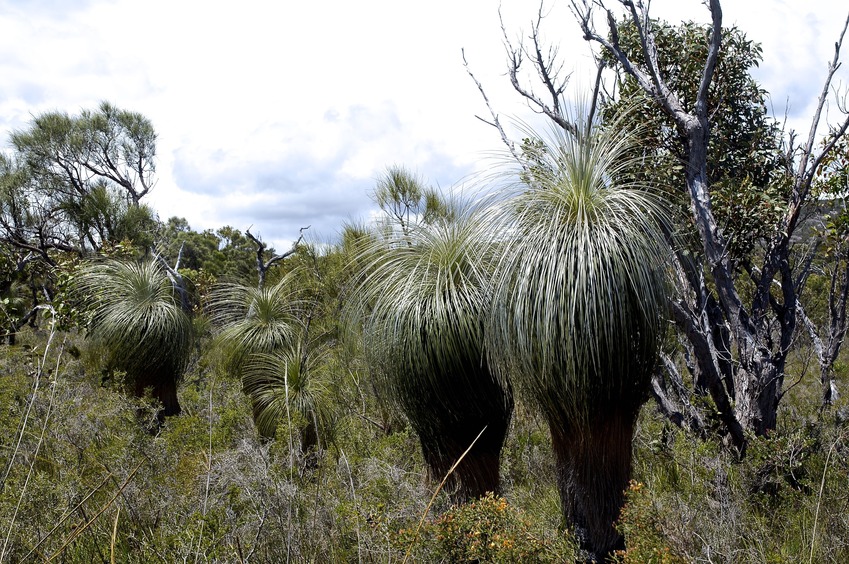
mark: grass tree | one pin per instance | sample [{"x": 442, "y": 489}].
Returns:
[
  {"x": 257, "y": 319},
  {"x": 578, "y": 311},
  {"x": 285, "y": 386},
  {"x": 137, "y": 318},
  {"x": 265, "y": 341},
  {"x": 422, "y": 299}
]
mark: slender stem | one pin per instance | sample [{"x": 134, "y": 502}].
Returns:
[
  {"x": 435, "y": 493},
  {"x": 39, "y": 372}
]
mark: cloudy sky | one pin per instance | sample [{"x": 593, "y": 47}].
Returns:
[{"x": 279, "y": 115}]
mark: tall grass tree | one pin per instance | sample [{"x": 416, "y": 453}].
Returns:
[
  {"x": 579, "y": 310},
  {"x": 421, "y": 297},
  {"x": 137, "y": 318}
]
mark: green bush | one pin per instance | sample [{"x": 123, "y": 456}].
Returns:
[{"x": 486, "y": 530}]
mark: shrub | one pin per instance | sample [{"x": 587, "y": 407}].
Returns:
[{"x": 488, "y": 529}]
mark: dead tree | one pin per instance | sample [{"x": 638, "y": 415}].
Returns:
[
  {"x": 263, "y": 265},
  {"x": 739, "y": 344}
]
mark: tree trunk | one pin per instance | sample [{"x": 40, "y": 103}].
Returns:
[
  {"x": 448, "y": 421},
  {"x": 593, "y": 468},
  {"x": 758, "y": 384},
  {"x": 163, "y": 389},
  {"x": 445, "y": 438},
  {"x": 478, "y": 473}
]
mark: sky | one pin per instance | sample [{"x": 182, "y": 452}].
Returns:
[{"x": 277, "y": 115}]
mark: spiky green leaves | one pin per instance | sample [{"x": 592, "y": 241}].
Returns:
[
  {"x": 135, "y": 314},
  {"x": 267, "y": 346},
  {"x": 580, "y": 288},
  {"x": 257, "y": 320},
  {"x": 282, "y": 385},
  {"x": 424, "y": 297}
]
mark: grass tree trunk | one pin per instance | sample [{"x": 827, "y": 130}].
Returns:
[
  {"x": 593, "y": 462},
  {"x": 477, "y": 473},
  {"x": 422, "y": 299},
  {"x": 454, "y": 424},
  {"x": 161, "y": 389}
]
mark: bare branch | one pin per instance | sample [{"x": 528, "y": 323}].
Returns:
[
  {"x": 177, "y": 279},
  {"x": 712, "y": 58},
  {"x": 547, "y": 70},
  {"x": 803, "y": 172},
  {"x": 262, "y": 265},
  {"x": 496, "y": 123}
]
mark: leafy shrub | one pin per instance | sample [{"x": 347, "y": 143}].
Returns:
[
  {"x": 487, "y": 530},
  {"x": 640, "y": 524}
]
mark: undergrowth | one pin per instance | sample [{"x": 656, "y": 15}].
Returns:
[{"x": 87, "y": 476}]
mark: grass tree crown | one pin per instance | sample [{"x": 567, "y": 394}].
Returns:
[
  {"x": 135, "y": 313},
  {"x": 422, "y": 296},
  {"x": 581, "y": 285},
  {"x": 258, "y": 320}
]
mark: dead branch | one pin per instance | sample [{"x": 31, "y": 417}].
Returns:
[
  {"x": 496, "y": 123},
  {"x": 262, "y": 265}
]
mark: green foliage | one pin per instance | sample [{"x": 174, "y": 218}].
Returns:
[
  {"x": 139, "y": 322},
  {"x": 284, "y": 385},
  {"x": 421, "y": 298},
  {"x": 581, "y": 288},
  {"x": 258, "y": 320},
  {"x": 225, "y": 254},
  {"x": 639, "y": 524},
  {"x": 403, "y": 198},
  {"x": 782, "y": 504},
  {"x": 488, "y": 529},
  {"x": 268, "y": 345},
  {"x": 745, "y": 163},
  {"x": 206, "y": 486},
  {"x": 75, "y": 183}
]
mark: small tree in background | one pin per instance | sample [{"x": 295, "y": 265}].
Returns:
[
  {"x": 285, "y": 386},
  {"x": 258, "y": 327}
]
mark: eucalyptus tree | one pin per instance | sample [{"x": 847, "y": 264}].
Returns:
[
  {"x": 137, "y": 318},
  {"x": 421, "y": 297},
  {"x": 72, "y": 185},
  {"x": 578, "y": 309},
  {"x": 79, "y": 181}
]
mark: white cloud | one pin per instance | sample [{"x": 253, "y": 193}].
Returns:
[{"x": 269, "y": 112}]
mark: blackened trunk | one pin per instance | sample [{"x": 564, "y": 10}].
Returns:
[
  {"x": 593, "y": 469},
  {"x": 449, "y": 419},
  {"x": 163, "y": 389},
  {"x": 478, "y": 472}
]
